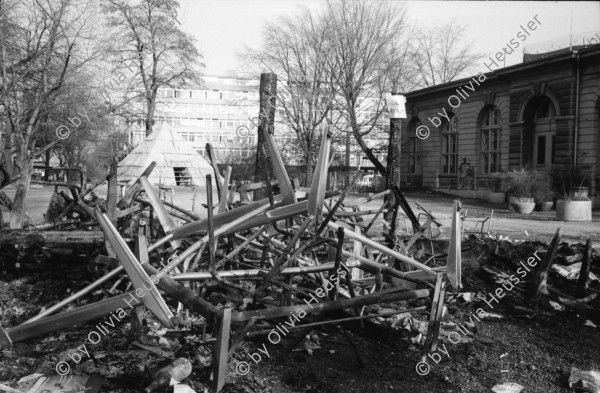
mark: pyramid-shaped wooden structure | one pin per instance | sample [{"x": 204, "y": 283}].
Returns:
[{"x": 177, "y": 163}]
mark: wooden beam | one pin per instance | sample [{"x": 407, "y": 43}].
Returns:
[
  {"x": 366, "y": 241},
  {"x": 53, "y": 238},
  {"x": 539, "y": 283},
  {"x": 134, "y": 187},
  {"x": 287, "y": 191},
  {"x": 67, "y": 319},
  {"x": 584, "y": 272},
  {"x": 223, "y": 197},
  {"x": 374, "y": 298},
  {"x": 200, "y": 226},
  {"x": 454, "y": 268},
  {"x": 316, "y": 197},
  {"x": 282, "y": 258},
  {"x": 140, "y": 280},
  {"x": 163, "y": 216},
  {"x": 220, "y": 349}
]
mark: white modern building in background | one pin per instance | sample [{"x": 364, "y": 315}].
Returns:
[{"x": 214, "y": 113}]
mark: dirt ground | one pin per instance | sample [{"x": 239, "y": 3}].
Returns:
[{"x": 518, "y": 341}]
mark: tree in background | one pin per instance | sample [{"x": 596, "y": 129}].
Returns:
[
  {"x": 440, "y": 54},
  {"x": 146, "y": 34},
  {"x": 294, "y": 49},
  {"x": 364, "y": 40},
  {"x": 44, "y": 46}
]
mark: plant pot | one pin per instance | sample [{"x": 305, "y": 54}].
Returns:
[
  {"x": 495, "y": 197},
  {"x": 567, "y": 210},
  {"x": 578, "y": 192},
  {"x": 544, "y": 206},
  {"x": 521, "y": 205}
]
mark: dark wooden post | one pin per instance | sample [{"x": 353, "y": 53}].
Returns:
[
  {"x": 111, "y": 202},
  {"x": 393, "y": 158},
  {"x": 584, "y": 272},
  {"x": 397, "y": 113},
  {"x": 268, "y": 92},
  {"x": 392, "y": 177},
  {"x": 112, "y": 193}
]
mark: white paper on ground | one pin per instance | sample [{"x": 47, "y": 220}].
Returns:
[{"x": 508, "y": 387}]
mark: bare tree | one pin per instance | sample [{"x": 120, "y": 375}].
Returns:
[
  {"x": 294, "y": 49},
  {"x": 44, "y": 45},
  {"x": 367, "y": 59},
  {"x": 146, "y": 33},
  {"x": 440, "y": 54}
]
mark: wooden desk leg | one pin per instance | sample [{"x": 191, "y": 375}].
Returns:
[{"x": 220, "y": 348}]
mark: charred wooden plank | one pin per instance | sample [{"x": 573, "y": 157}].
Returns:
[{"x": 52, "y": 238}]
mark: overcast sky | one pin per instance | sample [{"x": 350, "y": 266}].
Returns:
[{"x": 222, "y": 27}]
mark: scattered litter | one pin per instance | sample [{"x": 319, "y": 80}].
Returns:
[
  {"x": 508, "y": 387},
  {"x": 182, "y": 388},
  {"x": 418, "y": 339},
  {"x": 154, "y": 349},
  {"x": 489, "y": 315},
  {"x": 176, "y": 371},
  {"x": 584, "y": 381},
  {"x": 60, "y": 384},
  {"x": 28, "y": 379},
  {"x": 503, "y": 355},
  {"x": 307, "y": 345},
  {"x": 401, "y": 320},
  {"x": 556, "y": 306},
  {"x": 571, "y": 272},
  {"x": 467, "y": 297},
  {"x": 589, "y": 323},
  {"x": 168, "y": 345},
  {"x": 8, "y": 389}
]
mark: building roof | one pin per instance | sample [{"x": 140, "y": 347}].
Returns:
[
  {"x": 169, "y": 150},
  {"x": 507, "y": 71}
]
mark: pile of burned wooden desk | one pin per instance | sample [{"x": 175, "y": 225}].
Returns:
[{"x": 264, "y": 246}]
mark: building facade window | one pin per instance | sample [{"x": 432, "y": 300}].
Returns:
[
  {"x": 415, "y": 150},
  {"x": 450, "y": 145},
  {"x": 490, "y": 141},
  {"x": 544, "y": 146}
]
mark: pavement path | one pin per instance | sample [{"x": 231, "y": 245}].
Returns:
[{"x": 536, "y": 226}]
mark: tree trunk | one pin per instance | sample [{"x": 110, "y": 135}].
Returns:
[
  {"x": 18, "y": 212},
  {"x": 393, "y": 158},
  {"x": 309, "y": 168},
  {"x": 392, "y": 177},
  {"x": 150, "y": 116},
  {"x": 378, "y": 166},
  {"x": 47, "y": 163},
  {"x": 268, "y": 89}
]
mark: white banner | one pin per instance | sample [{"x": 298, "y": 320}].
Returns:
[{"x": 396, "y": 106}]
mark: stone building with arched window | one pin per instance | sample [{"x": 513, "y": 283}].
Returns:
[{"x": 542, "y": 115}]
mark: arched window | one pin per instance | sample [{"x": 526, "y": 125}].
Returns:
[
  {"x": 490, "y": 141},
  {"x": 450, "y": 145}
]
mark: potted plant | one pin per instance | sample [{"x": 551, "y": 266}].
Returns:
[
  {"x": 571, "y": 186},
  {"x": 543, "y": 197},
  {"x": 495, "y": 194},
  {"x": 520, "y": 190}
]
